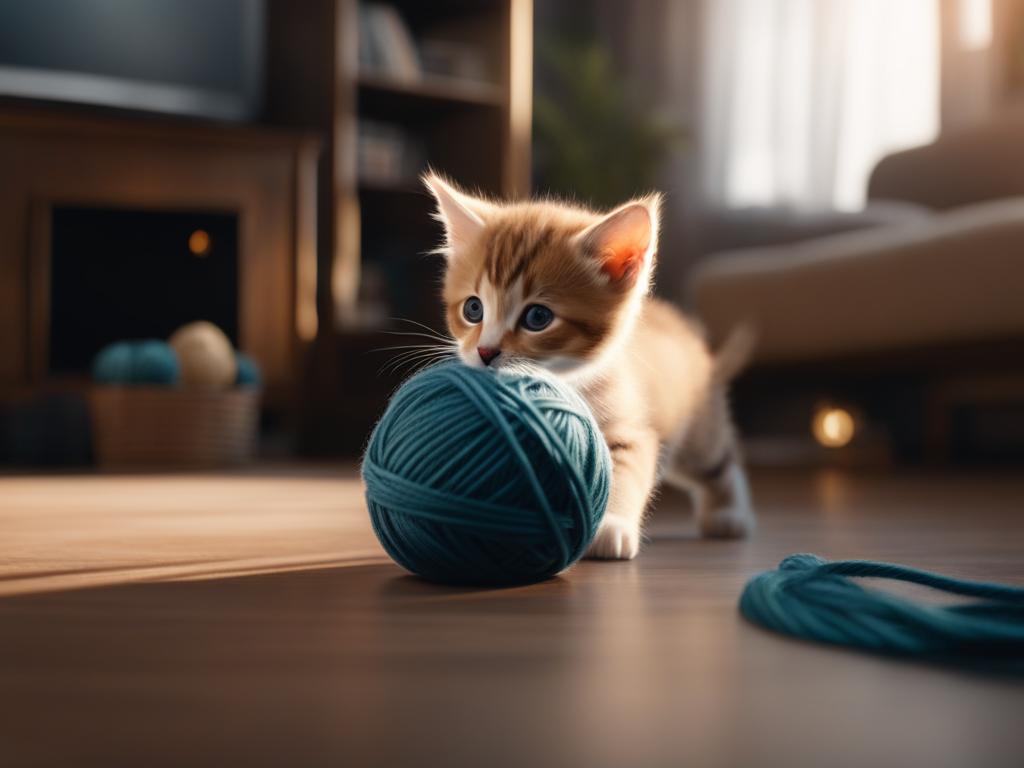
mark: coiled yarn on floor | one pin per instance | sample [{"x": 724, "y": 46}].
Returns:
[
  {"x": 481, "y": 477},
  {"x": 810, "y": 598}
]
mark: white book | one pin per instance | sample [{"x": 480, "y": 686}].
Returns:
[{"x": 391, "y": 42}]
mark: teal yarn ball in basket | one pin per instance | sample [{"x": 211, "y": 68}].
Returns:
[
  {"x": 113, "y": 363},
  {"x": 136, "y": 363},
  {"x": 481, "y": 477},
  {"x": 248, "y": 374},
  {"x": 155, "y": 363}
]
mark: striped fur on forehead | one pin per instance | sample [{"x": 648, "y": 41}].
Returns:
[
  {"x": 512, "y": 246},
  {"x": 526, "y": 242}
]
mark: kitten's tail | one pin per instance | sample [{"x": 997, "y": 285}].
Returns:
[{"x": 734, "y": 354}]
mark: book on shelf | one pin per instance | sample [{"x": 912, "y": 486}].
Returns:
[
  {"x": 388, "y": 155},
  {"x": 452, "y": 60},
  {"x": 386, "y": 46}
]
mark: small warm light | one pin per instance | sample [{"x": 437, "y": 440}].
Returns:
[
  {"x": 199, "y": 242},
  {"x": 833, "y": 427}
]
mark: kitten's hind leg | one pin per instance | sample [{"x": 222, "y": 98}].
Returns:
[
  {"x": 707, "y": 463},
  {"x": 634, "y": 469}
]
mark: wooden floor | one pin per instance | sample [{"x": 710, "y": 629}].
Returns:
[{"x": 251, "y": 620}]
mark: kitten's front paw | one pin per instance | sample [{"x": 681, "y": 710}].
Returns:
[
  {"x": 616, "y": 539},
  {"x": 736, "y": 522}
]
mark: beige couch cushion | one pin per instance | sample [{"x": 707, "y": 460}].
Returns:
[{"x": 956, "y": 277}]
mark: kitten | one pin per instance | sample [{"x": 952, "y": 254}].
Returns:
[{"x": 563, "y": 288}]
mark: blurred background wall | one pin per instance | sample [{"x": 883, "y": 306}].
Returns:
[
  {"x": 844, "y": 176},
  {"x": 684, "y": 65}
]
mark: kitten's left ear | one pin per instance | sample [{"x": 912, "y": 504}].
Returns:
[
  {"x": 462, "y": 215},
  {"x": 626, "y": 240}
]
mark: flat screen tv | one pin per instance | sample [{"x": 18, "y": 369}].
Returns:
[{"x": 189, "y": 57}]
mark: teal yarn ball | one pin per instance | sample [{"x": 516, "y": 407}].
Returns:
[
  {"x": 113, "y": 364},
  {"x": 155, "y": 363},
  {"x": 248, "y": 372},
  {"x": 481, "y": 477},
  {"x": 136, "y": 362}
]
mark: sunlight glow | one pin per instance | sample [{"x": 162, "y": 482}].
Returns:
[
  {"x": 975, "y": 24},
  {"x": 802, "y": 99}
]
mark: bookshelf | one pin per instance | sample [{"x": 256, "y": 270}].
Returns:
[
  {"x": 436, "y": 93},
  {"x": 475, "y": 127},
  {"x": 466, "y": 112}
]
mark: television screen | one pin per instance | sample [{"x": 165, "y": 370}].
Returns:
[{"x": 193, "y": 57}]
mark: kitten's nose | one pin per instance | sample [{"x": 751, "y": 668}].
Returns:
[{"x": 487, "y": 354}]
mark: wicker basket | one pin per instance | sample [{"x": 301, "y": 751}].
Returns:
[{"x": 168, "y": 428}]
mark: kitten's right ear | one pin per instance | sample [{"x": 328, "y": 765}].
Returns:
[
  {"x": 462, "y": 215},
  {"x": 626, "y": 240}
]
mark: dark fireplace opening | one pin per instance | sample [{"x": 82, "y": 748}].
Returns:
[{"x": 129, "y": 274}]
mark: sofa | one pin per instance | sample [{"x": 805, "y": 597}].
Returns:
[
  {"x": 944, "y": 268},
  {"x": 915, "y": 316}
]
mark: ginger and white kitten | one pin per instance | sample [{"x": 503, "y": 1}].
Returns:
[{"x": 566, "y": 289}]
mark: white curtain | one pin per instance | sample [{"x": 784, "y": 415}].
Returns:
[{"x": 802, "y": 97}]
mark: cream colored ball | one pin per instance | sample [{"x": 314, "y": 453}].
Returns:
[{"x": 205, "y": 355}]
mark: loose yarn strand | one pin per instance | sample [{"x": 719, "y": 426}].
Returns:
[{"x": 810, "y": 598}]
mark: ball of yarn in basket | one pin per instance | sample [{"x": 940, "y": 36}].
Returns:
[
  {"x": 136, "y": 362},
  {"x": 113, "y": 363},
  {"x": 155, "y": 363},
  {"x": 248, "y": 372},
  {"x": 206, "y": 356}
]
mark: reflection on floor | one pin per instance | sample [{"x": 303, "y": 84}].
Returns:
[{"x": 73, "y": 531}]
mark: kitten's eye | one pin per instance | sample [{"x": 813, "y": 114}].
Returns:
[
  {"x": 473, "y": 310},
  {"x": 537, "y": 317}
]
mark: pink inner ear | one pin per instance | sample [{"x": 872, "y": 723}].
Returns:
[
  {"x": 623, "y": 263},
  {"x": 624, "y": 241}
]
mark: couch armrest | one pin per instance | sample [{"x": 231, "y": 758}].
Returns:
[
  {"x": 956, "y": 277},
  {"x": 985, "y": 162}
]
